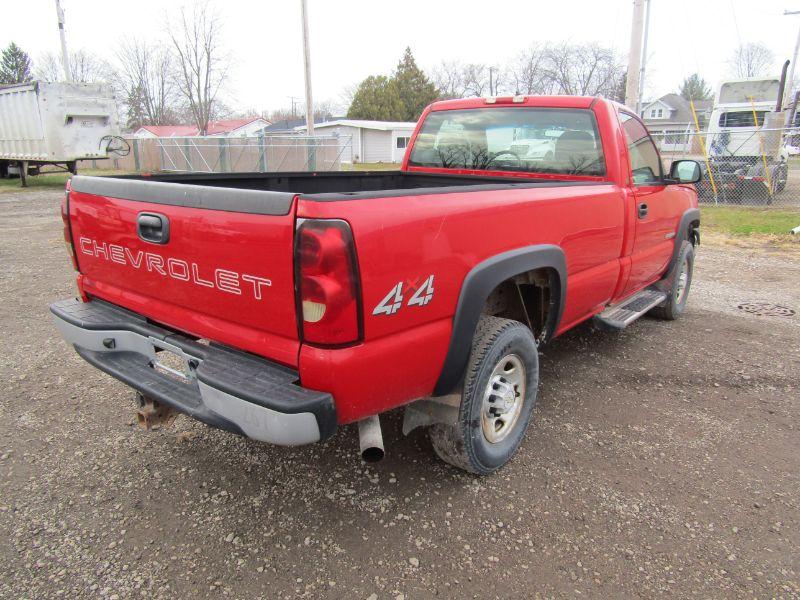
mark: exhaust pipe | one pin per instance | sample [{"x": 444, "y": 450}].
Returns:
[
  {"x": 782, "y": 87},
  {"x": 371, "y": 439}
]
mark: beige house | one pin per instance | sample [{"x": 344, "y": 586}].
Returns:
[{"x": 671, "y": 123}]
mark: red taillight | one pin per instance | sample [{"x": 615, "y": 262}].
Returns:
[
  {"x": 67, "y": 228},
  {"x": 327, "y": 283}
]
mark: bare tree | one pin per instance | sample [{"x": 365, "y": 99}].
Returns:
[
  {"x": 751, "y": 60},
  {"x": 449, "y": 79},
  {"x": 475, "y": 79},
  {"x": 528, "y": 72},
  {"x": 48, "y": 68},
  {"x": 280, "y": 115},
  {"x": 84, "y": 67},
  {"x": 201, "y": 63},
  {"x": 583, "y": 70},
  {"x": 323, "y": 111},
  {"x": 146, "y": 79},
  {"x": 326, "y": 110},
  {"x": 457, "y": 80},
  {"x": 347, "y": 94},
  {"x": 572, "y": 69}
]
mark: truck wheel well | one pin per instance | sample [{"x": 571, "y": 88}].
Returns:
[
  {"x": 693, "y": 235},
  {"x": 522, "y": 264},
  {"x": 528, "y": 298}
]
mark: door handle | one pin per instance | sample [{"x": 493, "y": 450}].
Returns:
[
  {"x": 642, "y": 210},
  {"x": 153, "y": 228}
]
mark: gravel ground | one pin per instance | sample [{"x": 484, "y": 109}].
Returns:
[{"x": 662, "y": 461}]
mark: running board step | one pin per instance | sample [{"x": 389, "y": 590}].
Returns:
[{"x": 621, "y": 315}]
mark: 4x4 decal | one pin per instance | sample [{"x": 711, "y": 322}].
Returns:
[{"x": 393, "y": 301}]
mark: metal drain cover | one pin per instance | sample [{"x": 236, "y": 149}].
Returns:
[{"x": 766, "y": 309}]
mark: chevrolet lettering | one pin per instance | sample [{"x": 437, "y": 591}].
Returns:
[{"x": 224, "y": 280}]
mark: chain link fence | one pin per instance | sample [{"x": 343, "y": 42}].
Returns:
[
  {"x": 211, "y": 154},
  {"x": 749, "y": 168}
]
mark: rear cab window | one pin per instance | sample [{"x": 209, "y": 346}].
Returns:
[
  {"x": 645, "y": 162},
  {"x": 523, "y": 139}
]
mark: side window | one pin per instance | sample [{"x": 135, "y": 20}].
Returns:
[{"x": 645, "y": 162}]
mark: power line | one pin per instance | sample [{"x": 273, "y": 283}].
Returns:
[
  {"x": 293, "y": 99},
  {"x": 736, "y": 23}
]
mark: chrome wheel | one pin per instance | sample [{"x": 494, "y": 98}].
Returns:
[
  {"x": 503, "y": 398},
  {"x": 683, "y": 281}
]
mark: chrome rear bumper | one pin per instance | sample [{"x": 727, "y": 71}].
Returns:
[{"x": 220, "y": 386}]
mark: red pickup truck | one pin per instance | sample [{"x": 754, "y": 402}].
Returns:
[{"x": 281, "y": 305}]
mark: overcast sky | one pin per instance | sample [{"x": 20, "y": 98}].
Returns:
[{"x": 351, "y": 39}]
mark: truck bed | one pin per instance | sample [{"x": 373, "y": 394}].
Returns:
[{"x": 333, "y": 184}]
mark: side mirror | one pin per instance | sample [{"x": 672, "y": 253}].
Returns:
[{"x": 685, "y": 171}]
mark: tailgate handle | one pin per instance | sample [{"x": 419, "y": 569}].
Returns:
[{"x": 153, "y": 228}]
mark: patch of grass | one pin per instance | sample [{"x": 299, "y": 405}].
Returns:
[
  {"x": 51, "y": 179},
  {"x": 38, "y": 182},
  {"x": 743, "y": 221},
  {"x": 376, "y": 166}
]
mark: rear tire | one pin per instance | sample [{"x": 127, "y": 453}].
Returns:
[
  {"x": 781, "y": 177},
  {"x": 675, "y": 304},
  {"x": 500, "y": 389}
]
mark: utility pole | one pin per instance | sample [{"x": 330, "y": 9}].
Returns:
[
  {"x": 307, "y": 62},
  {"x": 640, "y": 96},
  {"x": 64, "y": 55},
  {"x": 635, "y": 56},
  {"x": 491, "y": 91},
  {"x": 790, "y": 83},
  {"x": 293, "y": 99}
]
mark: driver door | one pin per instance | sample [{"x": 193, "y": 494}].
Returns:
[{"x": 657, "y": 207}]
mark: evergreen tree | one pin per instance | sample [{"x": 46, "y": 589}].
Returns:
[
  {"x": 695, "y": 87},
  {"x": 377, "y": 98},
  {"x": 619, "y": 91},
  {"x": 415, "y": 89},
  {"x": 136, "y": 112},
  {"x": 15, "y": 65}
]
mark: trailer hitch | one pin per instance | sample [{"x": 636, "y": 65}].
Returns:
[{"x": 151, "y": 414}]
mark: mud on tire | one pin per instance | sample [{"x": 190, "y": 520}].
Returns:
[
  {"x": 502, "y": 375},
  {"x": 675, "y": 303}
]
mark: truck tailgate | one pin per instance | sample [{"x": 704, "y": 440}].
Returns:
[{"x": 223, "y": 272}]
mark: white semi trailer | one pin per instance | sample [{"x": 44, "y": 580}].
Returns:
[
  {"x": 746, "y": 149},
  {"x": 55, "y": 123}
]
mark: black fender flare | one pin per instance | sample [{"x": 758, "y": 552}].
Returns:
[
  {"x": 687, "y": 218},
  {"x": 482, "y": 279},
  {"x": 681, "y": 235}
]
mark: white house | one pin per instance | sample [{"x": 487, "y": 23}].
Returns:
[{"x": 372, "y": 141}]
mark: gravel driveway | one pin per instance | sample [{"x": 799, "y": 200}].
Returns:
[{"x": 664, "y": 460}]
